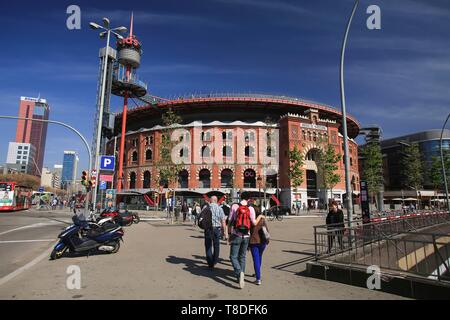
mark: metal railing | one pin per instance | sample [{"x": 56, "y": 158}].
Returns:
[{"x": 399, "y": 245}]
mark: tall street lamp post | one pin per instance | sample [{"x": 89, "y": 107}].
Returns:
[
  {"x": 344, "y": 122},
  {"x": 106, "y": 32},
  {"x": 444, "y": 173}
]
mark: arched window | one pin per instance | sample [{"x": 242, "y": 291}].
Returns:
[
  {"x": 206, "y": 153},
  {"x": 206, "y": 136},
  {"x": 148, "y": 155},
  {"x": 147, "y": 179},
  {"x": 183, "y": 179},
  {"x": 249, "y": 136},
  {"x": 132, "y": 180},
  {"x": 312, "y": 155},
  {"x": 204, "y": 178},
  {"x": 226, "y": 151},
  {"x": 134, "y": 156},
  {"x": 249, "y": 178},
  {"x": 226, "y": 178},
  {"x": 224, "y": 135},
  {"x": 249, "y": 151}
]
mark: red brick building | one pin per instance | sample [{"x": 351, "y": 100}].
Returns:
[{"x": 227, "y": 145}]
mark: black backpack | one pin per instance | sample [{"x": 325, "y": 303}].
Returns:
[{"x": 205, "y": 218}]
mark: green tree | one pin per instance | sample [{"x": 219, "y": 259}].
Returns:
[
  {"x": 168, "y": 169},
  {"x": 435, "y": 171},
  {"x": 328, "y": 164},
  {"x": 372, "y": 169},
  {"x": 296, "y": 167},
  {"x": 412, "y": 167}
]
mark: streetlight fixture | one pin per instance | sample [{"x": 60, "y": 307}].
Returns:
[
  {"x": 344, "y": 123},
  {"x": 444, "y": 174},
  {"x": 106, "y": 32}
]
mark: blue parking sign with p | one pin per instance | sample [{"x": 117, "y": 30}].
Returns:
[{"x": 107, "y": 163}]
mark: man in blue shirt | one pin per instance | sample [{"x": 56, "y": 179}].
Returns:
[{"x": 212, "y": 237}]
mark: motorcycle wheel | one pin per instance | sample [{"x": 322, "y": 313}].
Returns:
[
  {"x": 280, "y": 217},
  {"x": 56, "y": 254},
  {"x": 116, "y": 245},
  {"x": 136, "y": 219}
]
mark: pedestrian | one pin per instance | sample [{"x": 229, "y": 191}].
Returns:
[
  {"x": 196, "y": 212},
  {"x": 190, "y": 213},
  {"x": 212, "y": 221},
  {"x": 184, "y": 210},
  {"x": 335, "y": 225},
  {"x": 241, "y": 219},
  {"x": 54, "y": 203},
  {"x": 259, "y": 239}
]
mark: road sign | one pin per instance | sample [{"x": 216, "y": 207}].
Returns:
[
  {"x": 106, "y": 177},
  {"x": 107, "y": 163},
  {"x": 41, "y": 189},
  {"x": 102, "y": 185},
  {"x": 110, "y": 198}
]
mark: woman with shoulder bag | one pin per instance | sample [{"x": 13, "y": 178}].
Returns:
[{"x": 259, "y": 239}]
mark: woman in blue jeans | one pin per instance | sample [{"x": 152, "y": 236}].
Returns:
[{"x": 257, "y": 246}]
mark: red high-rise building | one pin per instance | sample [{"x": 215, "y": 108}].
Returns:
[{"x": 34, "y": 132}]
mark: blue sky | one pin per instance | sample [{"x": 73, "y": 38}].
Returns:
[{"x": 397, "y": 77}]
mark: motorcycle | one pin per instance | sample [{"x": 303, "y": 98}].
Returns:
[
  {"x": 84, "y": 236},
  {"x": 123, "y": 218}
]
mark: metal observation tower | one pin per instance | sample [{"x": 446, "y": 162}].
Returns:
[{"x": 126, "y": 84}]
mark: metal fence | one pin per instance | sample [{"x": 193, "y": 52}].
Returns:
[{"x": 399, "y": 244}]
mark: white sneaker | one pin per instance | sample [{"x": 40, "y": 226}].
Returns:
[
  {"x": 258, "y": 282},
  {"x": 242, "y": 280}
]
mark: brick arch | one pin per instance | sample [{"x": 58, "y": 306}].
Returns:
[
  {"x": 200, "y": 168},
  {"x": 254, "y": 168},
  {"x": 130, "y": 154},
  {"x": 187, "y": 169},
  {"x": 309, "y": 147},
  {"x": 226, "y": 167},
  {"x": 142, "y": 171},
  {"x": 130, "y": 172}
]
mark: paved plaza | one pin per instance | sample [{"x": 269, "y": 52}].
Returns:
[{"x": 159, "y": 261}]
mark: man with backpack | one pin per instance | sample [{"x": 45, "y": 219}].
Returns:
[
  {"x": 212, "y": 221},
  {"x": 241, "y": 219}
]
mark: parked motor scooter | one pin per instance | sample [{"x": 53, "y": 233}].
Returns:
[{"x": 84, "y": 236}]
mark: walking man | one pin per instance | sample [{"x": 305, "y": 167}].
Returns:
[
  {"x": 335, "y": 226},
  {"x": 213, "y": 231}
]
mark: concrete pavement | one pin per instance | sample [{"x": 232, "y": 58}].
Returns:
[{"x": 162, "y": 261}]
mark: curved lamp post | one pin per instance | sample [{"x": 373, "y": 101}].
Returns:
[
  {"x": 69, "y": 127},
  {"x": 444, "y": 174},
  {"x": 344, "y": 122}
]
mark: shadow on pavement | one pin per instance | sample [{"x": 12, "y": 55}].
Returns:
[
  {"x": 287, "y": 241},
  {"x": 82, "y": 254},
  {"x": 221, "y": 261},
  {"x": 200, "y": 268},
  {"x": 306, "y": 253}
]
